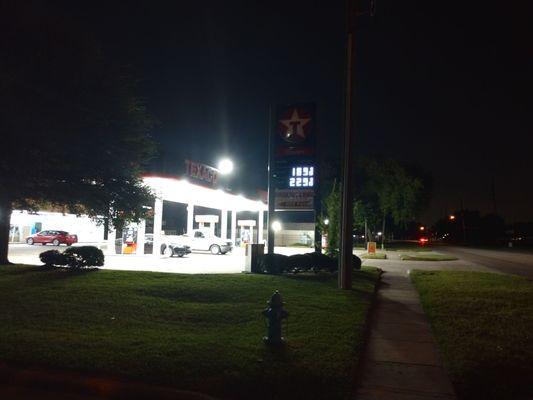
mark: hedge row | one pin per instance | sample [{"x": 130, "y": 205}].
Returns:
[
  {"x": 74, "y": 257},
  {"x": 279, "y": 263}
]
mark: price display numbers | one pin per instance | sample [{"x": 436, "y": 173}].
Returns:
[{"x": 302, "y": 177}]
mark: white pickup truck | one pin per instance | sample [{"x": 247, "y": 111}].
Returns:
[{"x": 200, "y": 241}]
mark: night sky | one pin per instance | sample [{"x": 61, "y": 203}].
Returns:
[{"x": 446, "y": 85}]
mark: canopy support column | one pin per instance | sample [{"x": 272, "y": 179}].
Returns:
[
  {"x": 260, "y": 227},
  {"x": 190, "y": 218},
  {"x": 141, "y": 230},
  {"x": 111, "y": 237},
  {"x": 224, "y": 225},
  {"x": 233, "y": 226},
  {"x": 158, "y": 225}
]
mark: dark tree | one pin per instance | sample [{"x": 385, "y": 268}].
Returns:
[
  {"x": 385, "y": 191},
  {"x": 400, "y": 195},
  {"x": 73, "y": 133}
]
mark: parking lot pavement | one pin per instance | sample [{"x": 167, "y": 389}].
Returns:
[
  {"x": 194, "y": 263},
  {"x": 393, "y": 263}
]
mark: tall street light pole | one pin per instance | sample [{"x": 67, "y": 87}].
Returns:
[
  {"x": 271, "y": 194},
  {"x": 346, "y": 256}
]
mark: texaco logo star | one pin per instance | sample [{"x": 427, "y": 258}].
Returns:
[{"x": 293, "y": 128}]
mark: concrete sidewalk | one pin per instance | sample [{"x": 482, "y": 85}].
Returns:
[{"x": 401, "y": 360}]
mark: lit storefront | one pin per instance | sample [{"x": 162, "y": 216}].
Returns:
[
  {"x": 181, "y": 190},
  {"x": 25, "y": 223}
]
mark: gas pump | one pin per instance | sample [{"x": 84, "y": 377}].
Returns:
[
  {"x": 246, "y": 228},
  {"x": 129, "y": 240},
  {"x": 207, "y": 223}
]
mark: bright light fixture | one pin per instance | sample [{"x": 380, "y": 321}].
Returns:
[
  {"x": 225, "y": 166},
  {"x": 422, "y": 228},
  {"x": 276, "y": 226},
  {"x": 326, "y": 221}
]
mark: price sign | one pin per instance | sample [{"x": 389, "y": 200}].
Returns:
[{"x": 293, "y": 163}]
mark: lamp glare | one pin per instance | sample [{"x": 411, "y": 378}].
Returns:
[{"x": 225, "y": 166}]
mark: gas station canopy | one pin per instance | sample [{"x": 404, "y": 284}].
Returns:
[{"x": 182, "y": 191}]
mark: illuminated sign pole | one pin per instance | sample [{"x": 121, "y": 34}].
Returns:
[{"x": 292, "y": 169}]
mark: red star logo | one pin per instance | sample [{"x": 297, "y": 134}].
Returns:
[{"x": 293, "y": 128}]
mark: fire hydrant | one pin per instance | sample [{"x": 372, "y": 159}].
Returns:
[{"x": 274, "y": 314}]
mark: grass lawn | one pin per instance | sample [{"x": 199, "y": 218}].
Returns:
[
  {"x": 427, "y": 256},
  {"x": 484, "y": 326},
  {"x": 375, "y": 256},
  {"x": 196, "y": 332}
]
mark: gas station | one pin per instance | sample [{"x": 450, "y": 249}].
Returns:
[
  {"x": 181, "y": 190},
  {"x": 198, "y": 199}
]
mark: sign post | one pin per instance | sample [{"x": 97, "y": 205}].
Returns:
[{"x": 292, "y": 166}]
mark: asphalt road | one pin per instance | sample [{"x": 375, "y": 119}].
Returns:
[{"x": 506, "y": 261}]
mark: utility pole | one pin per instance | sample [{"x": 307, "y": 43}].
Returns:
[
  {"x": 346, "y": 242},
  {"x": 271, "y": 189},
  {"x": 493, "y": 192},
  {"x": 366, "y": 234},
  {"x": 463, "y": 225}
]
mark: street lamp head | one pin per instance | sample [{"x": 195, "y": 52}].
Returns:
[
  {"x": 225, "y": 166},
  {"x": 422, "y": 228},
  {"x": 326, "y": 221},
  {"x": 276, "y": 226},
  {"x": 452, "y": 217}
]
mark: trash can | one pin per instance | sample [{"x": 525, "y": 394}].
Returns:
[{"x": 251, "y": 257}]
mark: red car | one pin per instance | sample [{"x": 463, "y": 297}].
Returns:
[{"x": 54, "y": 237}]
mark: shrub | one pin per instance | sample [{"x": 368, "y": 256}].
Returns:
[
  {"x": 311, "y": 262},
  {"x": 356, "y": 262},
  {"x": 316, "y": 261},
  {"x": 323, "y": 261},
  {"x": 52, "y": 258},
  {"x": 299, "y": 262},
  {"x": 84, "y": 256},
  {"x": 272, "y": 263}
]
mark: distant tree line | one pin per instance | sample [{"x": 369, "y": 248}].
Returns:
[
  {"x": 387, "y": 194},
  {"x": 471, "y": 227}
]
